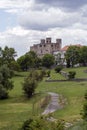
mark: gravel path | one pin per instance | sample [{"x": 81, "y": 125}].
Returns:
[{"x": 53, "y": 105}]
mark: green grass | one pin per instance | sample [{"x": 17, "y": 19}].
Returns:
[
  {"x": 56, "y": 76},
  {"x": 79, "y": 71},
  {"x": 17, "y": 108}
]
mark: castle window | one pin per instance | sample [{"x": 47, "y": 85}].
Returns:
[
  {"x": 40, "y": 45},
  {"x": 51, "y": 45},
  {"x": 44, "y": 45}
]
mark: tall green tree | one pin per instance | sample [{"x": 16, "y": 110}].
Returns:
[
  {"x": 72, "y": 56},
  {"x": 7, "y": 56},
  {"x": 5, "y": 83},
  {"x": 29, "y": 60},
  {"x": 83, "y": 55},
  {"x": 48, "y": 60}
]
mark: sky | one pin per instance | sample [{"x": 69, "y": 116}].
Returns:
[{"x": 24, "y": 22}]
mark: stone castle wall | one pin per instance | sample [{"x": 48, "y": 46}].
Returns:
[{"x": 46, "y": 47}]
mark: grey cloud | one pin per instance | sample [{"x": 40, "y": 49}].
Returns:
[
  {"x": 37, "y": 20},
  {"x": 69, "y": 4}
]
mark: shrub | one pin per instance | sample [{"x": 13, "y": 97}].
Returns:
[
  {"x": 42, "y": 123},
  {"x": 29, "y": 86},
  {"x": 84, "y": 113},
  {"x": 58, "y": 69},
  {"x": 71, "y": 74},
  {"x": 85, "y": 96},
  {"x": 3, "y": 92},
  {"x": 48, "y": 73}
]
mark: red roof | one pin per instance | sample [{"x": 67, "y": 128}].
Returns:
[{"x": 66, "y": 47}]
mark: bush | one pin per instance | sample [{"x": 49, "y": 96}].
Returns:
[
  {"x": 37, "y": 75},
  {"x": 85, "y": 96},
  {"x": 42, "y": 123},
  {"x": 58, "y": 69},
  {"x": 71, "y": 74},
  {"x": 29, "y": 86},
  {"x": 84, "y": 113},
  {"x": 3, "y": 92},
  {"x": 48, "y": 73}
]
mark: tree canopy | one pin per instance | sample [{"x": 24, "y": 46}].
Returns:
[
  {"x": 72, "y": 56},
  {"x": 48, "y": 60},
  {"x": 5, "y": 82}
]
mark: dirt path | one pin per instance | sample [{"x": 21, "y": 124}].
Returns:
[{"x": 53, "y": 105}]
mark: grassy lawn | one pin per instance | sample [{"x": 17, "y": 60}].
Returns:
[{"x": 17, "y": 108}]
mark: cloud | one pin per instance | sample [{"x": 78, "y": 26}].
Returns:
[
  {"x": 68, "y": 4},
  {"x": 19, "y": 39},
  {"x": 46, "y": 19},
  {"x": 39, "y": 19},
  {"x": 16, "y": 6}
]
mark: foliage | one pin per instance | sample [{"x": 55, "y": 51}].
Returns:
[
  {"x": 31, "y": 81},
  {"x": 15, "y": 66},
  {"x": 29, "y": 60},
  {"x": 72, "y": 56},
  {"x": 3, "y": 92},
  {"x": 84, "y": 111},
  {"x": 8, "y": 55},
  {"x": 58, "y": 69},
  {"x": 37, "y": 75},
  {"x": 48, "y": 60},
  {"x": 5, "y": 83},
  {"x": 85, "y": 96},
  {"x": 71, "y": 74},
  {"x": 83, "y": 55},
  {"x": 29, "y": 86},
  {"x": 41, "y": 123},
  {"x": 48, "y": 73}
]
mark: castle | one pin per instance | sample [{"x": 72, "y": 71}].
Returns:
[{"x": 46, "y": 47}]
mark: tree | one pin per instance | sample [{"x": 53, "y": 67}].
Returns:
[
  {"x": 72, "y": 56},
  {"x": 8, "y": 55},
  {"x": 83, "y": 55},
  {"x": 29, "y": 60},
  {"x": 29, "y": 86},
  {"x": 31, "y": 81},
  {"x": 5, "y": 82},
  {"x": 48, "y": 60}
]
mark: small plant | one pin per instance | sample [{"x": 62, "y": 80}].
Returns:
[
  {"x": 85, "y": 96},
  {"x": 58, "y": 69},
  {"x": 3, "y": 92},
  {"x": 42, "y": 123},
  {"x": 84, "y": 111},
  {"x": 71, "y": 74},
  {"x": 48, "y": 73}
]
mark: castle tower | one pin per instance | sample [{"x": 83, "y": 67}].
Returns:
[
  {"x": 48, "y": 40},
  {"x": 59, "y": 42},
  {"x": 42, "y": 41}
]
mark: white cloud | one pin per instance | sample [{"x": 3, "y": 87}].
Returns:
[
  {"x": 45, "y": 19},
  {"x": 16, "y": 6}
]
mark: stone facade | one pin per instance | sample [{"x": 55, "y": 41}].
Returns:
[{"x": 46, "y": 47}]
